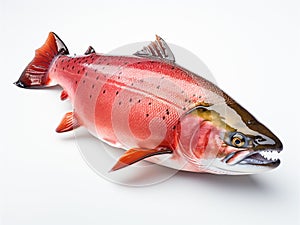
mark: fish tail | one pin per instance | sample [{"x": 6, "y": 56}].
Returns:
[{"x": 36, "y": 74}]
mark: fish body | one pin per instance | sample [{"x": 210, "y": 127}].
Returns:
[{"x": 149, "y": 106}]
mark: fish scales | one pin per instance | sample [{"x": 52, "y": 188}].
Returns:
[
  {"x": 149, "y": 105},
  {"x": 107, "y": 90}
]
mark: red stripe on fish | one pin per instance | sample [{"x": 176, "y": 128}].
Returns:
[
  {"x": 103, "y": 112},
  {"x": 201, "y": 138}
]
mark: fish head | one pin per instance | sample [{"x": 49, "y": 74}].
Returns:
[{"x": 226, "y": 139}]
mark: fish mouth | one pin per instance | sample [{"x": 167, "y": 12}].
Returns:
[{"x": 266, "y": 157}]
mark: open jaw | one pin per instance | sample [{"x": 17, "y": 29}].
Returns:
[{"x": 266, "y": 157}]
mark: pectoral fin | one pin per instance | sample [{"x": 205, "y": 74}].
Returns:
[
  {"x": 68, "y": 123},
  {"x": 134, "y": 155}
]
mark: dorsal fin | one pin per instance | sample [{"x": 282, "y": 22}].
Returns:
[
  {"x": 90, "y": 50},
  {"x": 158, "y": 49}
]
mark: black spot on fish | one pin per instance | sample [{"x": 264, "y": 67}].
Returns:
[
  {"x": 147, "y": 115},
  {"x": 120, "y": 103},
  {"x": 167, "y": 112},
  {"x": 119, "y": 77},
  {"x": 126, "y": 63},
  {"x": 138, "y": 62},
  {"x": 120, "y": 72},
  {"x": 72, "y": 67},
  {"x": 184, "y": 108},
  {"x": 68, "y": 66},
  {"x": 63, "y": 68},
  {"x": 76, "y": 82},
  {"x": 174, "y": 127},
  {"x": 132, "y": 84},
  {"x": 190, "y": 101},
  {"x": 95, "y": 70},
  {"x": 194, "y": 95},
  {"x": 130, "y": 100},
  {"x": 158, "y": 87},
  {"x": 78, "y": 71},
  {"x": 107, "y": 63},
  {"x": 83, "y": 81},
  {"x": 103, "y": 91},
  {"x": 182, "y": 92},
  {"x": 90, "y": 96},
  {"x": 93, "y": 85},
  {"x": 163, "y": 117},
  {"x": 117, "y": 92},
  {"x": 149, "y": 103},
  {"x": 173, "y": 67},
  {"x": 86, "y": 74},
  {"x": 139, "y": 100},
  {"x": 97, "y": 78},
  {"x": 185, "y": 100}
]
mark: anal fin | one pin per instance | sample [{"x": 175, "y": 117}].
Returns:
[
  {"x": 64, "y": 95},
  {"x": 134, "y": 155},
  {"x": 68, "y": 123}
]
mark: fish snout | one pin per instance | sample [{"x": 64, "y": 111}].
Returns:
[{"x": 267, "y": 142}]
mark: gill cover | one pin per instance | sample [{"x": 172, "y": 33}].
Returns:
[{"x": 200, "y": 135}]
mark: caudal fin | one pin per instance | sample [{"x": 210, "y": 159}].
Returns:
[{"x": 36, "y": 74}]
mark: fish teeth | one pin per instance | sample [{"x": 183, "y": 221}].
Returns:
[{"x": 270, "y": 155}]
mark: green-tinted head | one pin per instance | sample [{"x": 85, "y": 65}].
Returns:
[{"x": 225, "y": 138}]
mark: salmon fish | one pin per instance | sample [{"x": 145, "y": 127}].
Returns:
[{"x": 154, "y": 109}]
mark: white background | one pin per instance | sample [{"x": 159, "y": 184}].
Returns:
[{"x": 251, "y": 47}]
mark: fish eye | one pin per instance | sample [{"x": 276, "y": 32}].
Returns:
[{"x": 238, "y": 140}]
